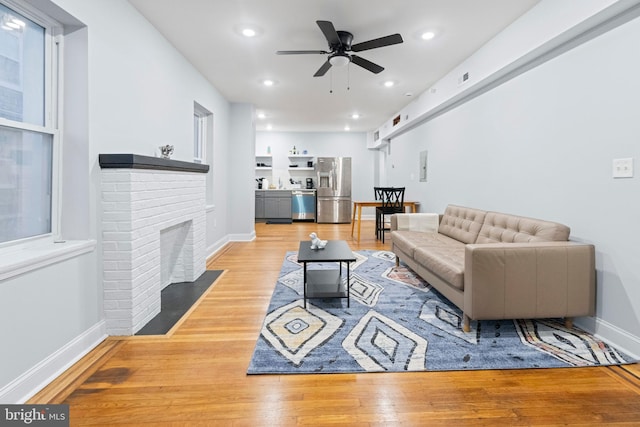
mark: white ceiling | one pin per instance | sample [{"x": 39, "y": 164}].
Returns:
[{"x": 207, "y": 34}]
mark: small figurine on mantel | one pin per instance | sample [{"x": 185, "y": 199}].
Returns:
[
  {"x": 166, "y": 151},
  {"x": 316, "y": 243}
]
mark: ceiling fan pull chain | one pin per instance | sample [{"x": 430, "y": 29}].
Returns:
[{"x": 348, "y": 76}]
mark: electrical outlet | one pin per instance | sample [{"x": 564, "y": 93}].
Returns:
[{"x": 623, "y": 168}]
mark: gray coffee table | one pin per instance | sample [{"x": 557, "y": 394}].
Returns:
[{"x": 326, "y": 283}]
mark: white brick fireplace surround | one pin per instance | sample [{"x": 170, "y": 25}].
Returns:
[{"x": 153, "y": 234}]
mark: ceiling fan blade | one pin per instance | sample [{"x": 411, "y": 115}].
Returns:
[
  {"x": 375, "y": 43},
  {"x": 300, "y": 52},
  {"x": 366, "y": 64},
  {"x": 322, "y": 70},
  {"x": 330, "y": 33}
]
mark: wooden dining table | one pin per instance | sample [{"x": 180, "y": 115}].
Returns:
[{"x": 357, "y": 206}]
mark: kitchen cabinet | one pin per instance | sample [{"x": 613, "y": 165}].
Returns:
[
  {"x": 273, "y": 204},
  {"x": 277, "y": 204},
  {"x": 259, "y": 204}
]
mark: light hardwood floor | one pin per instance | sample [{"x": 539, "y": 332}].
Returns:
[{"x": 197, "y": 376}]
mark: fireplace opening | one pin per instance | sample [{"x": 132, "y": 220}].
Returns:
[{"x": 174, "y": 253}]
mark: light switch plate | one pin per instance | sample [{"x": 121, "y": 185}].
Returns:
[{"x": 623, "y": 168}]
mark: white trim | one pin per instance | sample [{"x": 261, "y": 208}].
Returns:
[
  {"x": 214, "y": 248},
  {"x": 244, "y": 237},
  {"x": 35, "y": 379},
  {"x": 217, "y": 246},
  {"x": 37, "y": 256},
  {"x": 202, "y": 116},
  {"x": 52, "y": 113},
  {"x": 33, "y": 13},
  {"x": 619, "y": 338},
  {"x": 27, "y": 126}
]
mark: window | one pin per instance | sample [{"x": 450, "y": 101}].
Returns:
[
  {"x": 27, "y": 134},
  {"x": 201, "y": 132}
]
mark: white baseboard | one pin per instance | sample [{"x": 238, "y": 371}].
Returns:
[
  {"x": 611, "y": 334},
  {"x": 214, "y": 248},
  {"x": 244, "y": 237},
  {"x": 35, "y": 379}
]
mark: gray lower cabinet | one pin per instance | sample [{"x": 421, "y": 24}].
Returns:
[
  {"x": 273, "y": 204},
  {"x": 260, "y": 205}
]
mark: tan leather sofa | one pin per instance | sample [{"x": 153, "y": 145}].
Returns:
[{"x": 498, "y": 266}]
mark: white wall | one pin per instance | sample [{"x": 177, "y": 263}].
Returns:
[
  {"x": 241, "y": 200},
  {"x": 542, "y": 145},
  {"x": 138, "y": 94}
]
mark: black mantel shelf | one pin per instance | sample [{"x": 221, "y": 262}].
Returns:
[{"x": 137, "y": 161}]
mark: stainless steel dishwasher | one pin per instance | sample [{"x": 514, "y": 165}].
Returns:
[{"x": 303, "y": 205}]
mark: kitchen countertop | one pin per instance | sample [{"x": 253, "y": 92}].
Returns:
[{"x": 283, "y": 189}]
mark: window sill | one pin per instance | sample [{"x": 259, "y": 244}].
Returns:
[{"x": 32, "y": 258}]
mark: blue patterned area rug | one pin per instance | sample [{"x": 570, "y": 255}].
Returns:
[{"x": 397, "y": 322}]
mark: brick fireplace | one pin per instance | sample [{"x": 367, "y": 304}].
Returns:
[{"x": 153, "y": 234}]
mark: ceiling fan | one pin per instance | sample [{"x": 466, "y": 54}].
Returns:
[{"x": 340, "y": 46}]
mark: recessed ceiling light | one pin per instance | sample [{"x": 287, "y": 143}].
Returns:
[
  {"x": 347, "y": 128},
  {"x": 355, "y": 116},
  {"x": 262, "y": 116},
  {"x": 268, "y": 82},
  {"x": 427, "y": 35},
  {"x": 389, "y": 83},
  {"x": 269, "y": 127},
  {"x": 249, "y": 32}
]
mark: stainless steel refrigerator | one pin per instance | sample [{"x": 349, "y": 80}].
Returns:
[{"x": 333, "y": 176}]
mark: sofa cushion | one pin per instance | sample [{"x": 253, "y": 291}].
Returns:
[
  {"x": 462, "y": 224},
  {"x": 407, "y": 241},
  {"x": 446, "y": 262},
  {"x": 505, "y": 228}
]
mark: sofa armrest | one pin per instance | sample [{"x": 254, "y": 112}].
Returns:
[
  {"x": 427, "y": 222},
  {"x": 529, "y": 280}
]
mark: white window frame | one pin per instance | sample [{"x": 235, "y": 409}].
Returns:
[
  {"x": 201, "y": 132},
  {"x": 52, "y": 118}
]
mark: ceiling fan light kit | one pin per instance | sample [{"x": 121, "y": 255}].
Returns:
[
  {"x": 340, "y": 48},
  {"x": 339, "y": 60}
]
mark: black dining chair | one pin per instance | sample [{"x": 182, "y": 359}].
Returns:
[
  {"x": 392, "y": 202},
  {"x": 377, "y": 195}
]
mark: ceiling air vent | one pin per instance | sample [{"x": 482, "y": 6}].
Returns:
[
  {"x": 463, "y": 78},
  {"x": 396, "y": 120}
]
